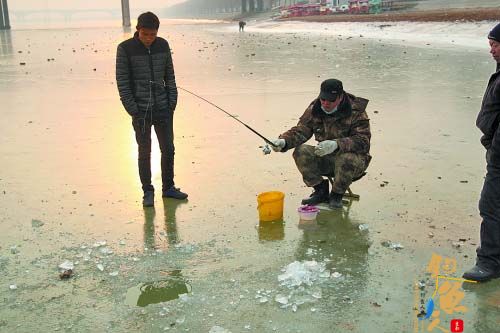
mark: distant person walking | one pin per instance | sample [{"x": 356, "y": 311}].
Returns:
[
  {"x": 146, "y": 83},
  {"x": 488, "y": 253},
  {"x": 242, "y": 25}
]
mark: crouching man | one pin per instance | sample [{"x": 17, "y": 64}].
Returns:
[{"x": 339, "y": 123}]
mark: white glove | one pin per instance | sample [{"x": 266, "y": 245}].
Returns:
[
  {"x": 279, "y": 144},
  {"x": 326, "y": 147}
]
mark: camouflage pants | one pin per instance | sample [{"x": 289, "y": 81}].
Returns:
[{"x": 344, "y": 167}]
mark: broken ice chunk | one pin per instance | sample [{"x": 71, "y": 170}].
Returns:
[
  {"x": 281, "y": 299},
  {"x": 66, "y": 265}
]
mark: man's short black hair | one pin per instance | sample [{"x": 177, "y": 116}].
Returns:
[{"x": 148, "y": 20}]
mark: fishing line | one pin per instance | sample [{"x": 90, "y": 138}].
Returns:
[{"x": 230, "y": 115}]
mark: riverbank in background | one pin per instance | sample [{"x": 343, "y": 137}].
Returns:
[{"x": 438, "y": 15}]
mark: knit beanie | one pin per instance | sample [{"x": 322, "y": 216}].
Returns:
[{"x": 495, "y": 33}]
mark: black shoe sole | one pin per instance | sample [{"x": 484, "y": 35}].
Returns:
[
  {"x": 304, "y": 202},
  {"x": 166, "y": 196}
]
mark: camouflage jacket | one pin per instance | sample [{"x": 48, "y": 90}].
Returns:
[{"x": 349, "y": 125}]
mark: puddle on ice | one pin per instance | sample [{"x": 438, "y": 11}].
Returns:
[
  {"x": 158, "y": 291},
  {"x": 271, "y": 231}
]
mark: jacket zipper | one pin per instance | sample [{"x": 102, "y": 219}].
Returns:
[{"x": 152, "y": 79}]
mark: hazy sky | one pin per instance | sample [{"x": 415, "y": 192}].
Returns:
[{"x": 86, "y": 4}]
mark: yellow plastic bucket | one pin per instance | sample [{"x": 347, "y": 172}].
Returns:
[{"x": 270, "y": 206}]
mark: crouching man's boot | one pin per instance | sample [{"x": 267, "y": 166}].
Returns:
[
  {"x": 319, "y": 195},
  {"x": 335, "y": 201},
  {"x": 480, "y": 274}
]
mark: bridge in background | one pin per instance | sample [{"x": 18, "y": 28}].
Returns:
[
  {"x": 4, "y": 15},
  {"x": 66, "y": 15}
]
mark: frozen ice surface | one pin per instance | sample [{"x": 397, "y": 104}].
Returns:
[
  {"x": 218, "y": 329},
  {"x": 464, "y": 34}
]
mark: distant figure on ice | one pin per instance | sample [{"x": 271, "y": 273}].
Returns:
[
  {"x": 488, "y": 120},
  {"x": 242, "y": 25},
  {"x": 339, "y": 123},
  {"x": 146, "y": 83}
]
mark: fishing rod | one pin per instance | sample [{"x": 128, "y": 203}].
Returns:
[{"x": 230, "y": 115}]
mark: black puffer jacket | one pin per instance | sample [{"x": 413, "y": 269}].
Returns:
[
  {"x": 488, "y": 120},
  {"x": 145, "y": 78}
]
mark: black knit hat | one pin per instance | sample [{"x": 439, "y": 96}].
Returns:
[
  {"x": 495, "y": 33},
  {"x": 331, "y": 89}
]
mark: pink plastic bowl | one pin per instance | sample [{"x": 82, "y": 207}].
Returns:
[{"x": 308, "y": 212}]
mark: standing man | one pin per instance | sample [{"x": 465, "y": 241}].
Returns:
[
  {"x": 242, "y": 25},
  {"x": 488, "y": 253},
  {"x": 339, "y": 123},
  {"x": 146, "y": 83}
]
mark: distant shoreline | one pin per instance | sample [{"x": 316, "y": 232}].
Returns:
[{"x": 441, "y": 15}]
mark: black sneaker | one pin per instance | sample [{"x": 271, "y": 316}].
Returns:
[
  {"x": 335, "y": 201},
  {"x": 175, "y": 193},
  {"x": 319, "y": 195},
  {"x": 480, "y": 274},
  {"x": 148, "y": 200}
]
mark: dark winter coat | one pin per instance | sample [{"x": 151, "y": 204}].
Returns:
[
  {"x": 349, "y": 126},
  {"x": 145, "y": 78},
  {"x": 488, "y": 120}
]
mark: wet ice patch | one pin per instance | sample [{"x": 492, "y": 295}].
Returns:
[{"x": 36, "y": 223}]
